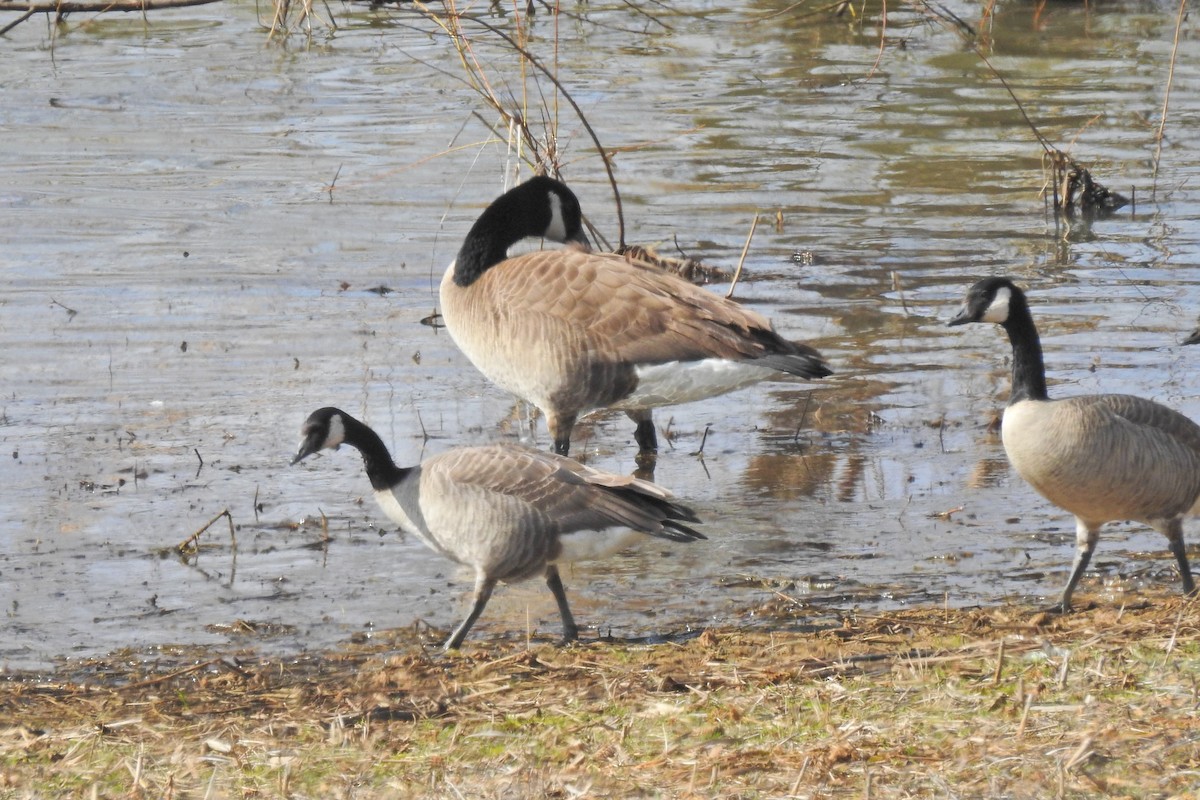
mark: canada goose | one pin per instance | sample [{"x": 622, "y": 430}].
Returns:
[
  {"x": 505, "y": 510},
  {"x": 1102, "y": 457},
  {"x": 1193, "y": 337},
  {"x": 571, "y": 331}
]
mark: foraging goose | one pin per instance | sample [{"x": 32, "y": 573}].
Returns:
[
  {"x": 507, "y": 511},
  {"x": 571, "y": 331},
  {"x": 1102, "y": 457}
]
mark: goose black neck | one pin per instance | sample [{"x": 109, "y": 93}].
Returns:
[
  {"x": 1028, "y": 369},
  {"x": 483, "y": 248},
  {"x": 510, "y": 218},
  {"x": 381, "y": 470}
]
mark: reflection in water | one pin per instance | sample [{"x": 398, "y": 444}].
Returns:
[
  {"x": 790, "y": 476},
  {"x": 199, "y": 209},
  {"x": 988, "y": 472}
]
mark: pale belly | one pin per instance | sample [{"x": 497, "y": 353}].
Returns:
[
  {"x": 583, "y": 545},
  {"x": 685, "y": 381}
]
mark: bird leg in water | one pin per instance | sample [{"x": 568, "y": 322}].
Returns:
[{"x": 645, "y": 435}]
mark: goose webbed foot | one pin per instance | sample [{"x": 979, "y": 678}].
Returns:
[{"x": 1057, "y": 609}]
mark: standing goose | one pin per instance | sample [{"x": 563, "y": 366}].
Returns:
[
  {"x": 507, "y": 511},
  {"x": 571, "y": 331},
  {"x": 1102, "y": 457}
]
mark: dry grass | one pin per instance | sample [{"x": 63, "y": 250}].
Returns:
[{"x": 923, "y": 703}]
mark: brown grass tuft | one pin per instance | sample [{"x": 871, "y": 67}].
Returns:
[{"x": 926, "y": 702}]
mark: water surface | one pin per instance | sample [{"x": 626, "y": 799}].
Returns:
[{"x": 198, "y": 222}]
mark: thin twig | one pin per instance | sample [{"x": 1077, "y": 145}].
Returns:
[
  {"x": 803, "y": 417},
  {"x": 421, "y": 422},
  {"x": 745, "y": 249},
  {"x": 18, "y": 21},
  {"x": 534, "y": 62},
  {"x": 896, "y": 287},
  {"x": 703, "y": 439},
  {"x": 73, "y": 6},
  {"x": 1162, "y": 122},
  {"x": 333, "y": 184},
  {"x": 70, "y": 311},
  {"x": 191, "y": 544}
]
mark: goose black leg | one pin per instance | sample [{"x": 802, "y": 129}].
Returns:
[
  {"x": 1174, "y": 534},
  {"x": 644, "y": 435},
  {"x": 570, "y": 631}
]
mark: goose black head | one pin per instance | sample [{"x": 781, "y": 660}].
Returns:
[
  {"x": 553, "y": 210},
  {"x": 990, "y": 300},
  {"x": 540, "y": 207},
  {"x": 325, "y": 429}
]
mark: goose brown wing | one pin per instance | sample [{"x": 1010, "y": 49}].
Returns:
[
  {"x": 1140, "y": 456},
  {"x": 1149, "y": 415},
  {"x": 640, "y": 314},
  {"x": 548, "y": 494}
]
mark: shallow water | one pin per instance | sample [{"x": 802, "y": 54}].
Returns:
[{"x": 195, "y": 219}]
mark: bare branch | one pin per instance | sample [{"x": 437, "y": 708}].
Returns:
[{"x": 72, "y": 6}]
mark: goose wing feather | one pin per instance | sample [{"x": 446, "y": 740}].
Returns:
[
  {"x": 675, "y": 320},
  {"x": 503, "y": 507},
  {"x": 1150, "y": 456}
]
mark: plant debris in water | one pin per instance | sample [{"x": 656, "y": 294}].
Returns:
[
  {"x": 999, "y": 702},
  {"x": 687, "y": 268}
]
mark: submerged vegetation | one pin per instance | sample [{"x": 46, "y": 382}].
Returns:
[{"x": 979, "y": 703}]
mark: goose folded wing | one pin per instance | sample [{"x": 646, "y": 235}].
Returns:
[
  {"x": 639, "y": 314},
  {"x": 556, "y": 494}
]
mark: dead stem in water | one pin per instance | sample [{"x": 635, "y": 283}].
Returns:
[
  {"x": 191, "y": 544},
  {"x": 521, "y": 115},
  {"x": 987, "y": 702},
  {"x": 290, "y": 16},
  {"x": 61, "y": 8},
  {"x": 685, "y": 267}
]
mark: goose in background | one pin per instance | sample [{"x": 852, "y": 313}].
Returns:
[
  {"x": 572, "y": 331},
  {"x": 1193, "y": 337},
  {"x": 1102, "y": 457},
  {"x": 506, "y": 511}
]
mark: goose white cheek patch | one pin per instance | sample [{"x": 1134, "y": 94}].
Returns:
[
  {"x": 556, "y": 231},
  {"x": 997, "y": 310},
  {"x": 337, "y": 432}
]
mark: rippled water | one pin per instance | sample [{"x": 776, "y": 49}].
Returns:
[{"x": 195, "y": 219}]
